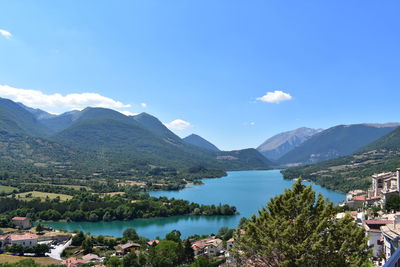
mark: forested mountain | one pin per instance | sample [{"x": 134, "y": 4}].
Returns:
[
  {"x": 354, "y": 171},
  {"x": 199, "y": 141},
  {"x": 155, "y": 126},
  {"x": 16, "y": 119},
  {"x": 335, "y": 142},
  {"x": 280, "y": 144},
  {"x": 98, "y": 141}
]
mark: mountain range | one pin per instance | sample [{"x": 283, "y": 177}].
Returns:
[
  {"x": 280, "y": 144},
  {"x": 354, "y": 171},
  {"x": 307, "y": 146},
  {"x": 103, "y": 140}
]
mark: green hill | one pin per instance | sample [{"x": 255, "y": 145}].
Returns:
[
  {"x": 99, "y": 142},
  {"x": 16, "y": 119},
  {"x": 335, "y": 142},
  {"x": 354, "y": 171}
]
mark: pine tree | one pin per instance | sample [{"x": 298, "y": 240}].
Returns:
[{"x": 298, "y": 229}]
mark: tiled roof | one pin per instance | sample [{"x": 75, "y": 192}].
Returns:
[
  {"x": 360, "y": 198},
  {"x": 129, "y": 245},
  {"x": 152, "y": 242},
  {"x": 19, "y": 218},
  {"x": 23, "y": 237},
  {"x": 383, "y": 222}
]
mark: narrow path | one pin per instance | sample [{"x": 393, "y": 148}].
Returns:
[{"x": 56, "y": 252}]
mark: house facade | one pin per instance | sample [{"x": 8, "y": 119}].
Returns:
[
  {"x": 22, "y": 222},
  {"x": 25, "y": 240}
]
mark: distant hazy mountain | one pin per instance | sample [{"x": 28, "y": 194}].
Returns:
[
  {"x": 38, "y": 113},
  {"x": 199, "y": 141},
  {"x": 335, "y": 142},
  {"x": 280, "y": 144},
  {"x": 60, "y": 122}
]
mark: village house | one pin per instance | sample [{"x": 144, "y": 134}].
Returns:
[
  {"x": 374, "y": 234},
  {"x": 209, "y": 247},
  {"x": 391, "y": 236},
  {"x": 25, "y": 240},
  {"x": 385, "y": 185},
  {"x": 22, "y": 222},
  {"x": 128, "y": 247},
  {"x": 89, "y": 258},
  {"x": 230, "y": 243},
  {"x": 73, "y": 262},
  {"x": 152, "y": 243}
]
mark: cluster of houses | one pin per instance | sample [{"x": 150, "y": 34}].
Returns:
[
  {"x": 211, "y": 247},
  {"x": 383, "y": 231},
  {"x": 384, "y": 185}
]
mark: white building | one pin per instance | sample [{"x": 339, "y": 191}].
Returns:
[
  {"x": 391, "y": 236},
  {"x": 26, "y": 240}
]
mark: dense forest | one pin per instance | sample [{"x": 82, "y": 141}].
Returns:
[{"x": 96, "y": 207}]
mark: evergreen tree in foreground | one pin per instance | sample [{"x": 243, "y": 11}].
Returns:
[{"x": 296, "y": 229}]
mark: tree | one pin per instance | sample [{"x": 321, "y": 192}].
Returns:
[
  {"x": 78, "y": 239},
  {"x": 225, "y": 233},
  {"x": 130, "y": 234},
  {"x": 202, "y": 262},
  {"x": 39, "y": 228},
  {"x": 188, "y": 253},
  {"x": 165, "y": 254},
  {"x": 298, "y": 229},
  {"x": 174, "y": 235},
  {"x": 393, "y": 203},
  {"x": 87, "y": 244},
  {"x": 130, "y": 260},
  {"x": 113, "y": 262}
]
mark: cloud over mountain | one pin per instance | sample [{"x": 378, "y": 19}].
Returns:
[
  {"x": 178, "y": 124},
  {"x": 58, "y": 102}
]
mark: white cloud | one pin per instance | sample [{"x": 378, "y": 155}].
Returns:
[
  {"x": 143, "y": 105},
  {"x": 127, "y": 113},
  {"x": 5, "y": 34},
  {"x": 252, "y": 123},
  {"x": 275, "y": 97},
  {"x": 178, "y": 124},
  {"x": 57, "y": 103}
]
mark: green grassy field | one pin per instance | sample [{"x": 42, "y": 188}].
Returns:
[
  {"x": 41, "y": 195},
  {"x": 40, "y": 260},
  {"x": 7, "y": 189}
]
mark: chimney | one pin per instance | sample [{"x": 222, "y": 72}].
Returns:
[{"x": 398, "y": 179}]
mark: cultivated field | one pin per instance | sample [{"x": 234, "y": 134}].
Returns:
[{"x": 42, "y": 195}]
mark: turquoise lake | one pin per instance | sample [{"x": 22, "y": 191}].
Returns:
[{"x": 249, "y": 191}]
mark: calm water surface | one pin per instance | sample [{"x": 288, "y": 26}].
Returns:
[{"x": 247, "y": 190}]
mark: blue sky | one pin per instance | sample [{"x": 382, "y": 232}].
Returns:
[{"x": 207, "y": 62}]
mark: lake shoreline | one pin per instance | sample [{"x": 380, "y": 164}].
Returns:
[{"x": 248, "y": 191}]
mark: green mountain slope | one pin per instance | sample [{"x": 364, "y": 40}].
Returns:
[
  {"x": 155, "y": 126},
  {"x": 98, "y": 142},
  {"x": 16, "y": 119},
  {"x": 123, "y": 139},
  {"x": 354, "y": 171},
  {"x": 335, "y": 142},
  {"x": 199, "y": 141}
]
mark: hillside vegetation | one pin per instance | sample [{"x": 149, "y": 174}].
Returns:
[{"x": 354, "y": 171}]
